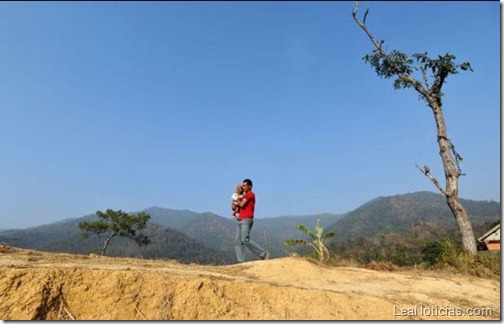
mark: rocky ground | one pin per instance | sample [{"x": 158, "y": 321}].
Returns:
[{"x": 38, "y": 285}]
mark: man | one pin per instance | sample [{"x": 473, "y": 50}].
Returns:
[{"x": 245, "y": 222}]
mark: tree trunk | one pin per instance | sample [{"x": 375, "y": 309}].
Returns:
[
  {"x": 463, "y": 223},
  {"x": 452, "y": 173},
  {"x": 106, "y": 243}
]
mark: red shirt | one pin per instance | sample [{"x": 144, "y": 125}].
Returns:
[{"x": 247, "y": 211}]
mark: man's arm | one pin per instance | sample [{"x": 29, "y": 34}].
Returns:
[{"x": 241, "y": 202}]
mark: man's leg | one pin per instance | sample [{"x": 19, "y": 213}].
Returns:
[
  {"x": 245, "y": 236},
  {"x": 239, "y": 247}
]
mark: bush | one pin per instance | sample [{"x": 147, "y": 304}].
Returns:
[
  {"x": 402, "y": 256},
  {"x": 431, "y": 253},
  {"x": 450, "y": 255},
  {"x": 490, "y": 260}
]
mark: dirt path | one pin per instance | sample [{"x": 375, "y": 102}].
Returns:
[{"x": 41, "y": 285}]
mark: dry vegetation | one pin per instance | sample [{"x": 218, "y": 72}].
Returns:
[{"x": 55, "y": 286}]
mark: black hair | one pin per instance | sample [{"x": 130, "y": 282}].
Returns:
[{"x": 249, "y": 182}]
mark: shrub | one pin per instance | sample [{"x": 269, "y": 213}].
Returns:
[
  {"x": 490, "y": 260},
  {"x": 450, "y": 255}
]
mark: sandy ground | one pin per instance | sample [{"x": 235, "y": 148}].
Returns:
[{"x": 55, "y": 286}]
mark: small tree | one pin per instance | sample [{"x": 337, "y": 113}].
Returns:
[
  {"x": 317, "y": 240},
  {"x": 117, "y": 223},
  {"x": 434, "y": 73}
]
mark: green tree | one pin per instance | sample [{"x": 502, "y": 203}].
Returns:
[
  {"x": 117, "y": 223},
  {"x": 317, "y": 240},
  {"x": 432, "y": 75}
]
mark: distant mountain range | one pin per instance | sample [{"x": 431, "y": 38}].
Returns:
[
  {"x": 218, "y": 232},
  {"x": 66, "y": 236},
  {"x": 208, "y": 238},
  {"x": 399, "y": 213}
]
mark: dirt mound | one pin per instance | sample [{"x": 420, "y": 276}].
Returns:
[{"x": 40, "y": 285}]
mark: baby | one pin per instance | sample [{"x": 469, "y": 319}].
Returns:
[{"x": 236, "y": 196}]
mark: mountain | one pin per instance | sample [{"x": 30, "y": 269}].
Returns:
[
  {"x": 176, "y": 219},
  {"x": 209, "y": 238},
  {"x": 274, "y": 231},
  {"x": 66, "y": 237},
  {"x": 219, "y": 233},
  {"x": 215, "y": 231},
  {"x": 400, "y": 212}
]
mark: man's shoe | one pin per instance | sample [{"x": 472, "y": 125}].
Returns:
[{"x": 266, "y": 256}]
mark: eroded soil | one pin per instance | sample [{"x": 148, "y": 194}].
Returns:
[{"x": 58, "y": 286}]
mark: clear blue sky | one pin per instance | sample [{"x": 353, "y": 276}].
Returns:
[{"x": 128, "y": 105}]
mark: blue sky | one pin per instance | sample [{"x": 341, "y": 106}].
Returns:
[{"x": 128, "y": 105}]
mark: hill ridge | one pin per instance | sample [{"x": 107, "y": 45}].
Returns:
[{"x": 215, "y": 234}]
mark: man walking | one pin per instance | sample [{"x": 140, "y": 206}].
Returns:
[{"x": 245, "y": 222}]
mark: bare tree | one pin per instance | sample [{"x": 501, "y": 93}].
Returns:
[{"x": 433, "y": 76}]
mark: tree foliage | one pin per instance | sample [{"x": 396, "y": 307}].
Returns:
[
  {"x": 117, "y": 223},
  {"x": 317, "y": 241},
  {"x": 401, "y": 66}
]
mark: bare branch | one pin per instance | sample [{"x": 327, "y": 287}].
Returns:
[
  {"x": 378, "y": 45},
  {"x": 426, "y": 172},
  {"x": 424, "y": 75},
  {"x": 458, "y": 158},
  {"x": 354, "y": 13},
  {"x": 362, "y": 24}
]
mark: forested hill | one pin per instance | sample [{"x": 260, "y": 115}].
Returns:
[
  {"x": 399, "y": 213},
  {"x": 167, "y": 243}
]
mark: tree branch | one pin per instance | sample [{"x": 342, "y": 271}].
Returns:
[
  {"x": 365, "y": 16},
  {"x": 427, "y": 173},
  {"x": 417, "y": 85},
  {"x": 378, "y": 45},
  {"x": 362, "y": 24},
  {"x": 425, "y": 78},
  {"x": 458, "y": 158}
]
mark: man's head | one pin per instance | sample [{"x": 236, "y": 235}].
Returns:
[{"x": 247, "y": 184}]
